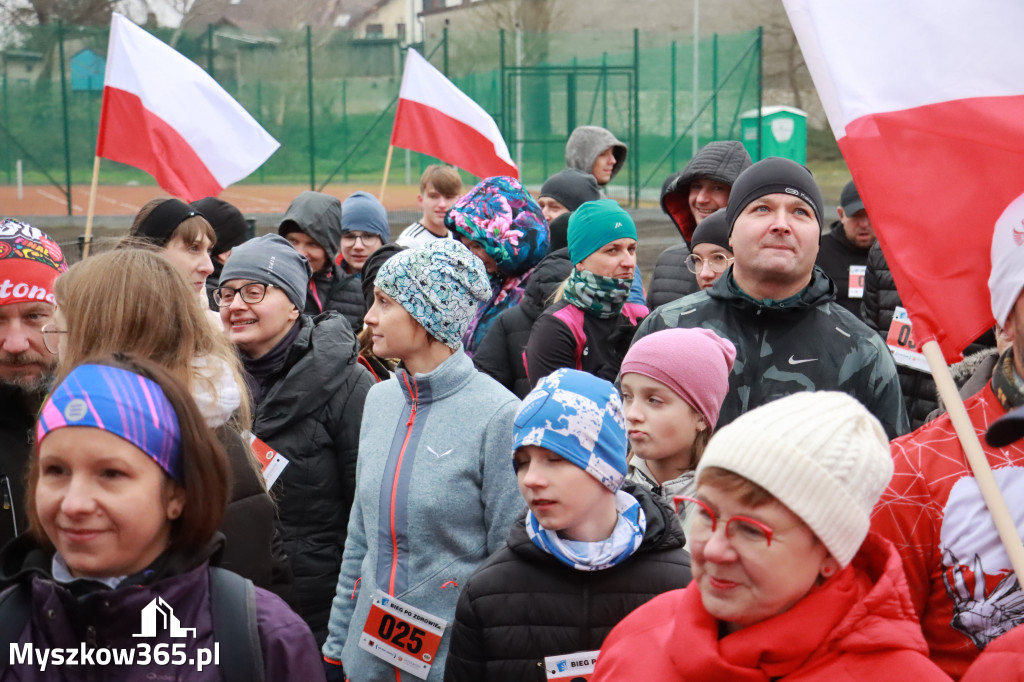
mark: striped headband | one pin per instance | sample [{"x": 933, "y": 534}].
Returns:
[{"x": 119, "y": 402}]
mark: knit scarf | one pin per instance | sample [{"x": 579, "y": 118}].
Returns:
[
  {"x": 598, "y": 295},
  {"x": 595, "y": 556},
  {"x": 1008, "y": 387}
]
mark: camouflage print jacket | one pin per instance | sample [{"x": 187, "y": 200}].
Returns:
[{"x": 810, "y": 344}]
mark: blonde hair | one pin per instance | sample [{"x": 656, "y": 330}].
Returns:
[
  {"x": 135, "y": 301},
  {"x": 445, "y": 179}
]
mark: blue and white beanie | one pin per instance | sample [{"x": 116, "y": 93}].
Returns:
[
  {"x": 441, "y": 284},
  {"x": 578, "y": 416}
]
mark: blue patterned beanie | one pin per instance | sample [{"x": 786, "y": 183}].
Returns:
[
  {"x": 579, "y": 417},
  {"x": 440, "y": 284},
  {"x": 503, "y": 217}
]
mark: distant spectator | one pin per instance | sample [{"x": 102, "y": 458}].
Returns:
[
  {"x": 597, "y": 151},
  {"x": 440, "y": 186},
  {"x": 688, "y": 197},
  {"x": 564, "y": 191},
  {"x": 231, "y": 229},
  {"x": 711, "y": 252},
  {"x": 843, "y": 253}
]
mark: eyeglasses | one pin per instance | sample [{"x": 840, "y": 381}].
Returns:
[
  {"x": 253, "y": 292},
  {"x": 718, "y": 262},
  {"x": 50, "y": 338},
  {"x": 743, "y": 531},
  {"x": 365, "y": 238}
]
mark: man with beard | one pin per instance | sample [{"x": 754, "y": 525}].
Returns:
[
  {"x": 29, "y": 263},
  {"x": 779, "y": 309}
]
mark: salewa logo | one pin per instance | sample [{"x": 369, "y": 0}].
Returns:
[
  {"x": 438, "y": 455},
  {"x": 794, "y": 361}
]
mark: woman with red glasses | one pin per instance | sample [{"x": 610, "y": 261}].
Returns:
[{"x": 787, "y": 582}]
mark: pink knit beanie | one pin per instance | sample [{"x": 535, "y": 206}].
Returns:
[{"x": 694, "y": 363}]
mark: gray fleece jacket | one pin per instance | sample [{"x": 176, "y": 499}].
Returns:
[
  {"x": 586, "y": 143},
  {"x": 435, "y": 496}
]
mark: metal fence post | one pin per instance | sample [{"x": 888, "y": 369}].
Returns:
[
  {"x": 636, "y": 118},
  {"x": 672, "y": 102},
  {"x": 505, "y": 118},
  {"x": 714, "y": 85},
  {"x": 760, "y": 86},
  {"x": 209, "y": 51},
  {"x": 64, "y": 109},
  {"x": 444, "y": 52},
  {"x": 309, "y": 98}
]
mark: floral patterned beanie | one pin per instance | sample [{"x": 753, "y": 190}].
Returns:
[
  {"x": 503, "y": 217},
  {"x": 440, "y": 284}
]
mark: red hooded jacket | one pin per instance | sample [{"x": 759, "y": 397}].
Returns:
[{"x": 859, "y": 625}]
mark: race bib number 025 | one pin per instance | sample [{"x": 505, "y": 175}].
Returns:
[{"x": 402, "y": 635}]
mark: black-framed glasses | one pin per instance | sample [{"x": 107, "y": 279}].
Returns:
[
  {"x": 367, "y": 238},
  {"x": 743, "y": 531},
  {"x": 51, "y": 337},
  {"x": 718, "y": 262},
  {"x": 253, "y": 292}
]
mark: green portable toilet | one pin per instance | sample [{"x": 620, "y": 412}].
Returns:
[{"x": 783, "y": 133}]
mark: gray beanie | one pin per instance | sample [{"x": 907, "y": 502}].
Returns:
[
  {"x": 822, "y": 454},
  {"x": 570, "y": 188},
  {"x": 270, "y": 259},
  {"x": 363, "y": 213}
]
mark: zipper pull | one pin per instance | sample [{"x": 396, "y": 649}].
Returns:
[{"x": 412, "y": 414}]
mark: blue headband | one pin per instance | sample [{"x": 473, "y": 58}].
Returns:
[{"x": 119, "y": 402}]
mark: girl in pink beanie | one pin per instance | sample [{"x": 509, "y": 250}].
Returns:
[{"x": 673, "y": 383}]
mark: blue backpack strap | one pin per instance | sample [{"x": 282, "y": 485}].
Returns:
[
  {"x": 573, "y": 319},
  {"x": 15, "y": 613},
  {"x": 233, "y": 603}
]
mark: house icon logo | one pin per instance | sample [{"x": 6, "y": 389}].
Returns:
[{"x": 157, "y": 616}]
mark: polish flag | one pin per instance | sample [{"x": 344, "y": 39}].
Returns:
[
  {"x": 434, "y": 117},
  {"x": 926, "y": 100},
  {"x": 164, "y": 114}
]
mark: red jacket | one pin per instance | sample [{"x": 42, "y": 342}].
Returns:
[
  {"x": 961, "y": 583},
  {"x": 857, "y": 626},
  {"x": 1002, "y": 660}
]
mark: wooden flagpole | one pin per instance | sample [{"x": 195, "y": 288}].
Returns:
[
  {"x": 387, "y": 169},
  {"x": 92, "y": 206},
  {"x": 1005, "y": 526}
]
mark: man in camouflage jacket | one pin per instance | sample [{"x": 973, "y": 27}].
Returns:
[{"x": 779, "y": 310}]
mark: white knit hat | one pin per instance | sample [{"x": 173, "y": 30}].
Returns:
[{"x": 821, "y": 454}]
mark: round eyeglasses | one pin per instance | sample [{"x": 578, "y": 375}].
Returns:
[
  {"x": 254, "y": 292},
  {"x": 718, "y": 262},
  {"x": 365, "y": 237},
  {"x": 51, "y": 337},
  {"x": 743, "y": 532}
]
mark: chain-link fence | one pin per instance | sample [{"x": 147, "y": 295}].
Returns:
[{"x": 329, "y": 99}]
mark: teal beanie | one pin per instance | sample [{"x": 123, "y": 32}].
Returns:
[{"x": 594, "y": 224}]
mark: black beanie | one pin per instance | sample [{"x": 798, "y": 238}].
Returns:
[
  {"x": 227, "y": 221},
  {"x": 558, "y": 231},
  {"x": 773, "y": 175},
  {"x": 163, "y": 220},
  {"x": 571, "y": 188},
  {"x": 372, "y": 265},
  {"x": 712, "y": 230}
]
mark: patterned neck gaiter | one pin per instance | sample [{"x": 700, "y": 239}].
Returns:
[{"x": 600, "y": 296}]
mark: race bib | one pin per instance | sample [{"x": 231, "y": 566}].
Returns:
[
  {"x": 856, "y": 287},
  {"x": 271, "y": 462},
  {"x": 402, "y": 635},
  {"x": 901, "y": 343},
  {"x": 577, "y": 667}
]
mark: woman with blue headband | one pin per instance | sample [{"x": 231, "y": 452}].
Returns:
[{"x": 126, "y": 492}]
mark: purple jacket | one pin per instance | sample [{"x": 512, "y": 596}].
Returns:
[{"x": 102, "y": 618}]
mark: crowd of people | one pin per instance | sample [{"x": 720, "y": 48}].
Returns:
[{"x": 486, "y": 451}]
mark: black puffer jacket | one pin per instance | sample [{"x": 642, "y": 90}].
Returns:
[
  {"x": 311, "y": 412},
  {"x": 722, "y": 161},
  {"x": 671, "y": 278},
  {"x": 880, "y": 302},
  {"x": 522, "y": 604},
  {"x": 500, "y": 354},
  {"x": 17, "y": 434},
  {"x": 336, "y": 290}
]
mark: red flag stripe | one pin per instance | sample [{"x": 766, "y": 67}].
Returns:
[
  {"x": 424, "y": 129},
  {"x": 141, "y": 139}
]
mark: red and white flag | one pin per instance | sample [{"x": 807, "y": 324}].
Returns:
[
  {"x": 434, "y": 117},
  {"x": 164, "y": 114},
  {"x": 926, "y": 99}
]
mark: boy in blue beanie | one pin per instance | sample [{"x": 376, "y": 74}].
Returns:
[{"x": 587, "y": 553}]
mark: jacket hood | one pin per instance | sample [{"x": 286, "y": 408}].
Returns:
[
  {"x": 319, "y": 216},
  {"x": 663, "y": 531},
  {"x": 314, "y": 370},
  {"x": 549, "y": 274},
  {"x": 820, "y": 290},
  {"x": 587, "y": 142},
  {"x": 721, "y": 161}
]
